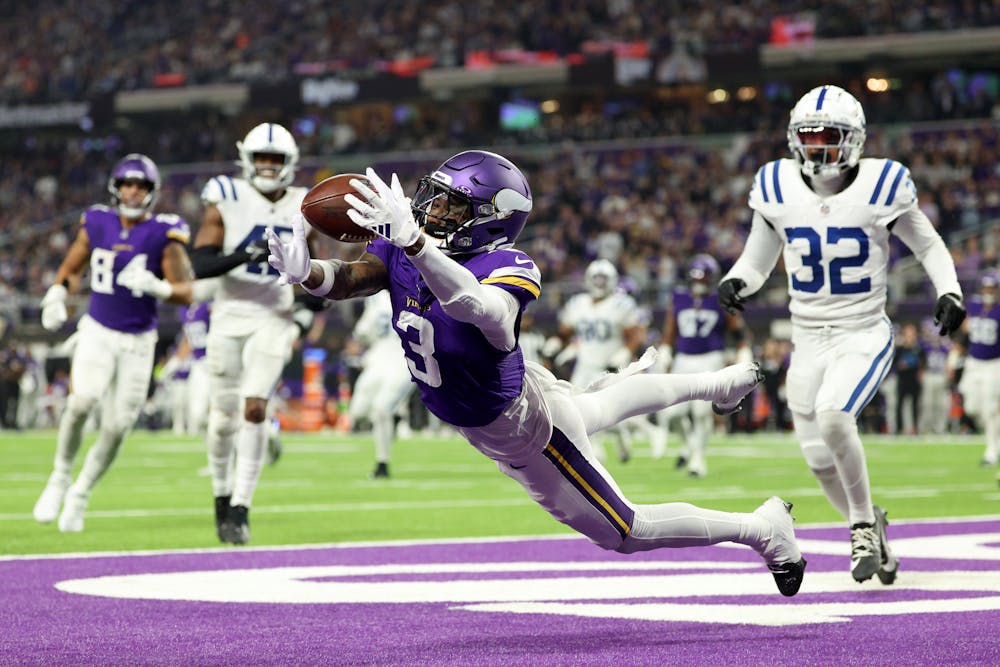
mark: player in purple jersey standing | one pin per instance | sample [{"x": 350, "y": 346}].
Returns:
[
  {"x": 694, "y": 338},
  {"x": 135, "y": 258},
  {"x": 458, "y": 289},
  {"x": 980, "y": 384}
]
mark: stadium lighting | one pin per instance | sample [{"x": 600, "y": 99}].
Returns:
[
  {"x": 877, "y": 84},
  {"x": 550, "y": 106},
  {"x": 746, "y": 93},
  {"x": 718, "y": 96}
]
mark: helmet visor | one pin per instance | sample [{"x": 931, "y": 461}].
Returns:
[{"x": 440, "y": 209}]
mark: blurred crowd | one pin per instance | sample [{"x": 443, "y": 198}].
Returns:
[
  {"x": 53, "y": 51},
  {"x": 645, "y": 206}
]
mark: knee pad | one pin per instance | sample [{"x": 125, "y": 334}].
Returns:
[
  {"x": 837, "y": 428},
  {"x": 80, "y": 405},
  {"x": 817, "y": 455},
  {"x": 222, "y": 423}
]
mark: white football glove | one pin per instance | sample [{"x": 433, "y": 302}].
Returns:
[
  {"x": 143, "y": 281},
  {"x": 387, "y": 212},
  {"x": 290, "y": 259},
  {"x": 54, "y": 308}
]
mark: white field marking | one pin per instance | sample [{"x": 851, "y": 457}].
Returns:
[
  {"x": 305, "y": 447},
  {"x": 586, "y": 594},
  {"x": 520, "y": 500},
  {"x": 516, "y": 499},
  {"x": 771, "y": 615},
  {"x": 439, "y": 541}
]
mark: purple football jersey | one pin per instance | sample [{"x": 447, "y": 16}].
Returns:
[
  {"x": 112, "y": 248},
  {"x": 701, "y": 323},
  {"x": 196, "y": 328},
  {"x": 984, "y": 326},
  {"x": 462, "y": 378}
]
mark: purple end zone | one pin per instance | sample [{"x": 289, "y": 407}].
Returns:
[{"x": 921, "y": 620}]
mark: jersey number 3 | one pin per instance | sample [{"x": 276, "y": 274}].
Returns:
[
  {"x": 419, "y": 348},
  {"x": 814, "y": 259}
]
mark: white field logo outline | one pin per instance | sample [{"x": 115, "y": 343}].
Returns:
[{"x": 599, "y": 589}]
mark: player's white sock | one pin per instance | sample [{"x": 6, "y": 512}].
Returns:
[
  {"x": 220, "y": 440},
  {"x": 70, "y": 434},
  {"x": 686, "y": 525},
  {"x": 382, "y": 427},
  {"x": 251, "y": 443},
  {"x": 102, "y": 453},
  {"x": 991, "y": 429},
  {"x": 643, "y": 394},
  {"x": 840, "y": 433}
]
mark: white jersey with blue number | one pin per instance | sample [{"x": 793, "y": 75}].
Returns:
[
  {"x": 251, "y": 290},
  {"x": 599, "y": 329},
  {"x": 836, "y": 248}
]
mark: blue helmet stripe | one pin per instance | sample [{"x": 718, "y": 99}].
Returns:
[
  {"x": 881, "y": 180},
  {"x": 822, "y": 96},
  {"x": 270, "y": 133},
  {"x": 763, "y": 185},
  {"x": 777, "y": 184},
  {"x": 895, "y": 184}
]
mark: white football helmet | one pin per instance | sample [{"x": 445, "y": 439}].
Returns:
[
  {"x": 600, "y": 278},
  {"x": 268, "y": 138},
  {"x": 826, "y": 133}
]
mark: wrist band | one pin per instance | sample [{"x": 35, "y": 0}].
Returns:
[{"x": 324, "y": 288}]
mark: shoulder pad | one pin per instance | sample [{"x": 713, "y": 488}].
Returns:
[
  {"x": 765, "y": 191},
  {"x": 220, "y": 188},
  {"x": 894, "y": 187}
]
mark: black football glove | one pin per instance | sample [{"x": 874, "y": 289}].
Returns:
[
  {"x": 949, "y": 313},
  {"x": 257, "y": 251},
  {"x": 729, "y": 295}
]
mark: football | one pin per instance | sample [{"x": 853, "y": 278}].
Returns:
[{"x": 325, "y": 209}]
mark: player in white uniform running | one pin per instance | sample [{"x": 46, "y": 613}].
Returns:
[
  {"x": 831, "y": 213},
  {"x": 384, "y": 382},
  {"x": 135, "y": 257},
  {"x": 252, "y": 330},
  {"x": 605, "y": 326}
]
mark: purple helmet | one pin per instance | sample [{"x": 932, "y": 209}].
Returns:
[
  {"x": 475, "y": 201},
  {"x": 989, "y": 286},
  {"x": 134, "y": 167},
  {"x": 701, "y": 273}
]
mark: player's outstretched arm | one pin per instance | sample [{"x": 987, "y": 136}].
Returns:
[
  {"x": 385, "y": 210},
  {"x": 207, "y": 258},
  {"x": 916, "y": 230},
  {"x": 330, "y": 278},
  {"x": 759, "y": 256}
]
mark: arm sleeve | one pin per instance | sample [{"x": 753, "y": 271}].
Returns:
[
  {"x": 491, "y": 309},
  {"x": 208, "y": 261},
  {"x": 759, "y": 255},
  {"x": 915, "y": 230}
]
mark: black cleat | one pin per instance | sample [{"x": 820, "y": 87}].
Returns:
[
  {"x": 236, "y": 528},
  {"x": 781, "y": 551},
  {"x": 221, "y": 509},
  {"x": 381, "y": 471}
]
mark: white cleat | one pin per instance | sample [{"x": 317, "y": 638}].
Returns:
[
  {"x": 781, "y": 551},
  {"x": 739, "y": 380},
  {"x": 71, "y": 517},
  {"x": 48, "y": 504}
]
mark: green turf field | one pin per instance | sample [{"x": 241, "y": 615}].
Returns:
[{"x": 154, "y": 498}]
